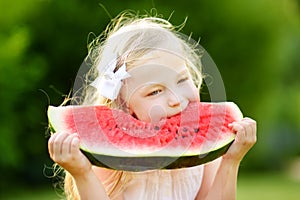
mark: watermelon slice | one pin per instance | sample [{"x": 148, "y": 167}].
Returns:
[{"x": 114, "y": 139}]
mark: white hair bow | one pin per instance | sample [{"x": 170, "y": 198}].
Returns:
[{"x": 110, "y": 83}]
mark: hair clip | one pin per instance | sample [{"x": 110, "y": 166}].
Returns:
[{"x": 110, "y": 83}]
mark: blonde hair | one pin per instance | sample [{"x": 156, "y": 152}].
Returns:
[{"x": 131, "y": 36}]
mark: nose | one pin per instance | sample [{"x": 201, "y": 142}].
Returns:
[{"x": 173, "y": 100}]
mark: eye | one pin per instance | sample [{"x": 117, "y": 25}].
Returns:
[
  {"x": 155, "y": 92},
  {"x": 183, "y": 79}
]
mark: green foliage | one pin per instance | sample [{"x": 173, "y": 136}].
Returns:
[
  {"x": 19, "y": 72},
  {"x": 255, "y": 44},
  {"x": 260, "y": 186}
]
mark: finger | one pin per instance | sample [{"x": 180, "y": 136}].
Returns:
[
  {"x": 57, "y": 143},
  {"x": 250, "y": 125},
  {"x": 75, "y": 145},
  {"x": 250, "y": 121},
  {"x": 237, "y": 127},
  {"x": 249, "y": 137},
  {"x": 51, "y": 143},
  {"x": 240, "y": 132},
  {"x": 66, "y": 144},
  {"x": 253, "y": 125},
  {"x": 248, "y": 129}
]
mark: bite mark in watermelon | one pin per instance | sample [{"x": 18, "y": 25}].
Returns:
[{"x": 114, "y": 139}]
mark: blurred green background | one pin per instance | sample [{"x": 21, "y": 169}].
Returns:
[{"x": 255, "y": 44}]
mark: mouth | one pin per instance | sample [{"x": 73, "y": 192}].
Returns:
[{"x": 184, "y": 106}]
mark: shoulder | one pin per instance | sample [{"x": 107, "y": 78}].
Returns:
[
  {"x": 212, "y": 167},
  {"x": 111, "y": 180},
  {"x": 106, "y": 174},
  {"x": 210, "y": 171},
  {"x": 209, "y": 174}
]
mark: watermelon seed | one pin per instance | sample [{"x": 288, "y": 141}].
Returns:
[
  {"x": 185, "y": 129},
  {"x": 156, "y": 128},
  {"x": 196, "y": 130}
]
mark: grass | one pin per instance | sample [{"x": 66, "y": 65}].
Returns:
[
  {"x": 32, "y": 194},
  {"x": 250, "y": 186},
  {"x": 268, "y": 186}
]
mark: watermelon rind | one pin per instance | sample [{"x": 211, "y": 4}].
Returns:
[
  {"x": 120, "y": 159},
  {"x": 138, "y": 164},
  {"x": 165, "y": 152}
]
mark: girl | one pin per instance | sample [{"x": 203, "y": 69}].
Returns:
[{"x": 147, "y": 69}]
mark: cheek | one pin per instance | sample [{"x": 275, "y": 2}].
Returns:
[
  {"x": 191, "y": 92},
  {"x": 156, "y": 112},
  {"x": 148, "y": 111},
  {"x": 195, "y": 94}
]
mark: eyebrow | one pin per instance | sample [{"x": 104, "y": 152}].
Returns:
[
  {"x": 154, "y": 84},
  {"x": 149, "y": 86},
  {"x": 184, "y": 71}
]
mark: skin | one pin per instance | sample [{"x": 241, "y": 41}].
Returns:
[{"x": 159, "y": 88}]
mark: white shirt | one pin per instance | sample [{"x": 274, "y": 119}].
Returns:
[{"x": 178, "y": 184}]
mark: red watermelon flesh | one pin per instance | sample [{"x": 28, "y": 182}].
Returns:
[{"x": 106, "y": 134}]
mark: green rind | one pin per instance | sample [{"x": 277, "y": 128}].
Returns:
[
  {"x": 126, "y": 153},
  {"x": 147, "y": 162},
  {"x": 51, "y": 115},
  {"x": 137, "y": 164},
  {"x": 51, "y": 129}
]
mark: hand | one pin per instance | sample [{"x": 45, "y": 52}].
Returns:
[
  {"x": 64, "y": 150},
  {"x": 245, "y": 139}
]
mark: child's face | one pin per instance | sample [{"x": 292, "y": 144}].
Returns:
[{"x": 158, "y": 88}]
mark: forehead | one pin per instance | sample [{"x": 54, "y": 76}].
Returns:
[
  {"x": 158, "y": 68},
  {"x": 157, "y": 65}
]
